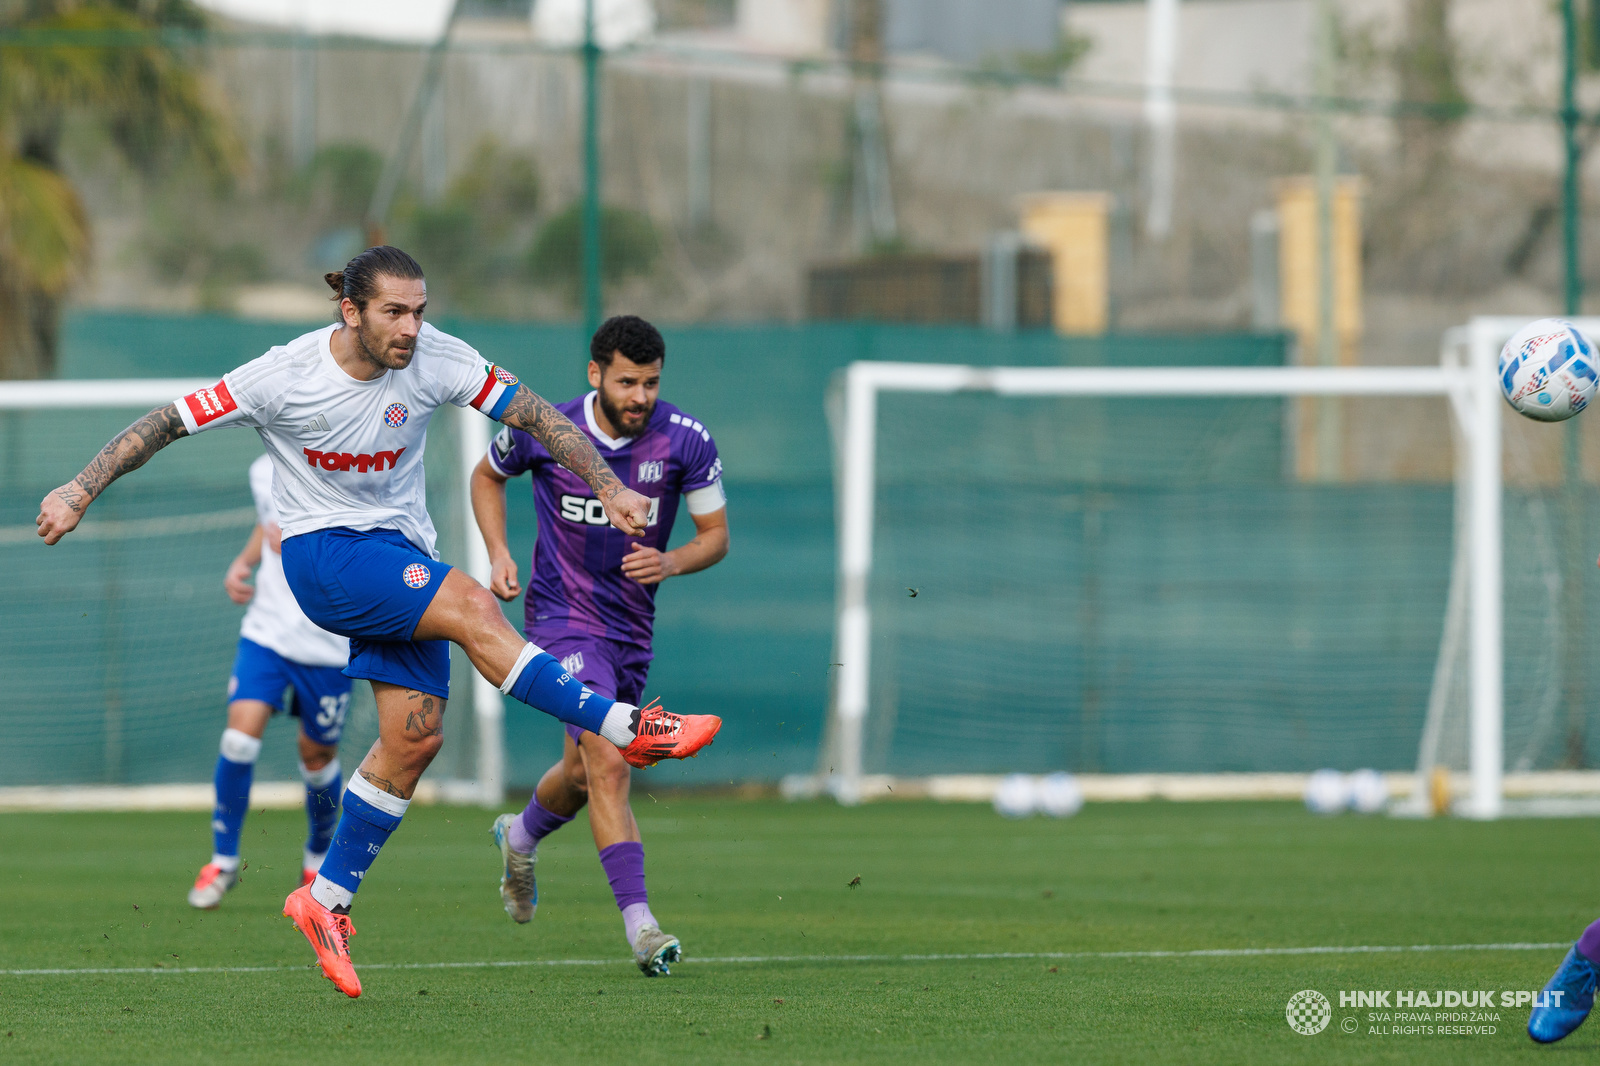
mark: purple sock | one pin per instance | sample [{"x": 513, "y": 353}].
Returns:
[
  {"x": 624, "y": 865},
  {"x": 1589, "y": 943},
  {"x": 536, "y": 823}
]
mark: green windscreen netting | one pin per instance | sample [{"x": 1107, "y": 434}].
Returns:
[
  {"x": 1110, "y": 585},
  {"x": 1123, "y": 585}
]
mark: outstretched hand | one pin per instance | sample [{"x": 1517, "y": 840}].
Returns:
[
  {"x": 628, "y": 511},
  {"x": 61, "y": 510}
]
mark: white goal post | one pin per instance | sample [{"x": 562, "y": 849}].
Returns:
[
  {"x": 1468, "y": 383},
  {"x": 472, "y": 435}
]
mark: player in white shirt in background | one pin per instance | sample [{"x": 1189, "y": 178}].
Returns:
[{"x": 285, "y": 662}]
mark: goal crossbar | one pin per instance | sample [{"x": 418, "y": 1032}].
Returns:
[{"x": 1469, "y": 385}]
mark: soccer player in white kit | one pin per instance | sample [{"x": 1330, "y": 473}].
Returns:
[
  {"x": 343, "y": 412},
  {"x": 280, "y": 651}
]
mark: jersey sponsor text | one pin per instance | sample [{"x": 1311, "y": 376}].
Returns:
[{"x": 344, "y": 460}]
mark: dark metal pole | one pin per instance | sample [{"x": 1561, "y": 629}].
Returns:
[
  {"x": 593, "y": 299},
  {"x": 1572, "y": 495}
]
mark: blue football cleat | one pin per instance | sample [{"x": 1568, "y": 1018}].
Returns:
[{"x": 1576, "y": 979}]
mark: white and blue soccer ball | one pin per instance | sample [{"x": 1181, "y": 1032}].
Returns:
[
  {"x": 1017, "y": 796},
  {"x": 1327, "y": 792},
  {"x": 1369, "y": 792},
  {"x": 1547, "y": 370},
  {"x": 1059, "y": 796}
]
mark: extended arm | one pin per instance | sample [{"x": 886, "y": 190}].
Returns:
[
  {"x": 568, "y": 446},
  {"x": 237, "y": 579},
  {"x": 63, "y": 508},
  {"x": 489, "y": 508},
  {"x": 648, "y": 566}
]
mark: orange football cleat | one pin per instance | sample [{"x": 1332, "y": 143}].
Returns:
[
  {"x": 662, "y": 735},
  {"x": 330, "y": 934},
  {"x": 306, "y": 877}
]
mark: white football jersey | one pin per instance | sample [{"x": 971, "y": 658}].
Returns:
[
  {"x": 347, "y": 452},
  {"x": 275, "y": 619}
]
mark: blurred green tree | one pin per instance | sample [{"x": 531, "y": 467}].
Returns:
[
  {"x": 628, "y": 246},
  {"x": 109, "y": 60},
  {"x": 467, "y": 239}
]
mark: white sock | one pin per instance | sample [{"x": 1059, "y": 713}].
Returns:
[
  {"x": 524, "y": 657},
  {"x": 618, "y": 726},
  {"x": 240, "y": 747},
  {"x": 230, "y": 863},
  {"x": 312, "y": 861},
  {"x": 635, "y": 916},
  {"x": 331, "y": 895},
  {"x": 320, "y": 778}
]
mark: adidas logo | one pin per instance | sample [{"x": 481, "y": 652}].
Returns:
[{"x": 316, "y": 425}]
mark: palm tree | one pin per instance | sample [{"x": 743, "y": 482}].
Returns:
[{"x": 110, "y": 60}]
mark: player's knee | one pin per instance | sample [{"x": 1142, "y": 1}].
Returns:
[
  {"x": 425, "y": 748},
  {"x": 315, "y": 756},
  {"x": 482, "y": 609},
  {"x": 609, "y": 773}
]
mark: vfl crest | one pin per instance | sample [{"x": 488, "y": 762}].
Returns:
[
  {"x": 651, "y": 471},
  {"x": 573, "y": 663}
]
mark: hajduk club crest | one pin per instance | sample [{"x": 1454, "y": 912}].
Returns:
[
  {"x": 416, "y": 575},
  {"x": 395, "y": 415}
]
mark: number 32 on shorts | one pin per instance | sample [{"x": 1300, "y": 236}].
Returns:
[{"x": 333, "y": 711}]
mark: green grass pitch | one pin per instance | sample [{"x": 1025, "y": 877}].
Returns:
[{"x": 743, "y": 882}]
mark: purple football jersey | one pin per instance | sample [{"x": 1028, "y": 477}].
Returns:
[{"x": 577, "y": 581}]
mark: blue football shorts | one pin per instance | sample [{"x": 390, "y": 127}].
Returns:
[
  {"x": 317, "y": 695},
  {"x": 372, "y": 586}
]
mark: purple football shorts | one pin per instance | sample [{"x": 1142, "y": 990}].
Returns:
[{"x": 613, "y": 669}]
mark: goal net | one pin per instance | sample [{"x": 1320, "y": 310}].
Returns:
[
  {"x": 1119, "y": 570},
  {"x": 119, "y": 640}
]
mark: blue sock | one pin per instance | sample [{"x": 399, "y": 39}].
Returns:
[
  {"x": 370, "y": 815},
  {"x": 322, "y": 806},
  {"x": 539, "y": 680},
  {"x": 236, "y": 766}
]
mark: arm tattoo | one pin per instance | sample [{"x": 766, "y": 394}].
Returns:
[
  {"x": 564, "y": 441},
  {"x": 424, "y": 720},
  {"x": 127, "y": 451},
  {"x": 382, "y": 783}
]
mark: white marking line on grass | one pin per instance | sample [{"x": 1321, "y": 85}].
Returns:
[{"x": 1202, "y": 953}]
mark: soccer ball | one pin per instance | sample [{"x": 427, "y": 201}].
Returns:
[
  {"x": 1327, "y": 792},
  {"x": 1017, "y": 796},
  {"x": 1368, "y": 791},
  {"x": 1059, "y": 796},
  {"x": 1547, "y": 370}
]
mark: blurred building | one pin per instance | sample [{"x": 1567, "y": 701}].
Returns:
[{"x": 958, "y": 31}]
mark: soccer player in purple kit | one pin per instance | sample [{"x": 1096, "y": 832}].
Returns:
[{"x": 591, "y": 599}]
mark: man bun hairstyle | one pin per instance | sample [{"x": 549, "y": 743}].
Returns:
[
  {"x": 359, "y": 278},
  {"x": 632, "y": 336}
]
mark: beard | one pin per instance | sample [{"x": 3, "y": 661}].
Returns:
[
  {"x": 376, "y": 350},
  {"x": 630, "y": 422}
]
